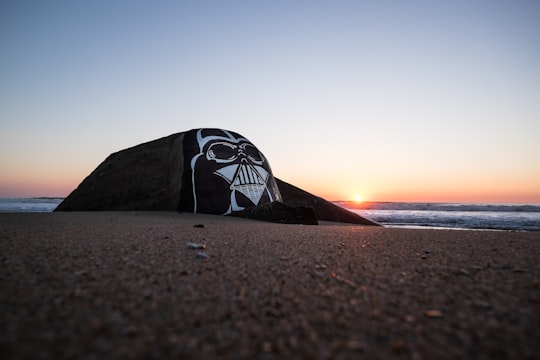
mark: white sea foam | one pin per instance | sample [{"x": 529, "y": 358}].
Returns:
[
  {"x": 40, "y": 204},
  {"x": 450, "y": 215}
]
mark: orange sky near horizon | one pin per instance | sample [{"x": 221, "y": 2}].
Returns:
[
  {"x": 524, "y": 193},
  {"x": 59, "y": 179},
  {"x": 60, "y": 186}
]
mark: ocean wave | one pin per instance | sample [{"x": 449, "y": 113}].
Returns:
[
  {"x": 519, "y": 217},
  {"x": 457, "y": 220},
  {"x": 456, "y": 207},
  {"x": 35, "y": 204}
]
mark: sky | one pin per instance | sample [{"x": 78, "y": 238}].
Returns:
[{"x": 386, "y": 100}]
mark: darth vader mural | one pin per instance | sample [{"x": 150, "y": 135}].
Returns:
[{"x": 224, "y": 172}]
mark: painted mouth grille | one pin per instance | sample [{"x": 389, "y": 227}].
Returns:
[
  {"x": 247, "y": 175},
  {"x": 247, "y": 179}
]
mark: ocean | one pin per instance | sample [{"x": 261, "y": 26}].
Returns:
[
  {"x": 518, "y": 217},
  {"x": 35, "y": 204}
]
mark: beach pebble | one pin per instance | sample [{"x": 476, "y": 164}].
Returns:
[
  {"x": 354, "y": 344},
  {"x": 434, "y": 313},
  {"x": 202, "y": 255},
  {"x": 196, "y": 246},
  {"x": 79, "y": 273},
  {"x": 461, "y": 272},
  {"x": 267, "y": 347}
]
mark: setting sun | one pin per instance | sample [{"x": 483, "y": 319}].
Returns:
[{"x": 357, "y": 198}]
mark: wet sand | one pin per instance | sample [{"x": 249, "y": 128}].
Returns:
[{"x": 125, "y": 285}]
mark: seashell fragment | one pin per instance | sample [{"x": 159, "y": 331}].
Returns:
[
  {"x": 202, "y": 255},
  {"x": 195, "y": 246}
]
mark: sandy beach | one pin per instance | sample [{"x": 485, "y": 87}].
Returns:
[{"x": 126, "y": 285}]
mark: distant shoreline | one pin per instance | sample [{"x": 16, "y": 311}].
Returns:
[{"x": 510, "y": 217}]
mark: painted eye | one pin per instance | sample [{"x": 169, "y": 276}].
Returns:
[
  {"x": 252, "y": 153},
  {"x": 222, "y": 152}
]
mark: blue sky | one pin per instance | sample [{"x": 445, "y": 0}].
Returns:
[{"x": 391, "y": 100}]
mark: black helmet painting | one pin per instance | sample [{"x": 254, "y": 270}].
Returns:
[
  {"x": 204, "y": 170},
  {"x": 227, "y": 173}
]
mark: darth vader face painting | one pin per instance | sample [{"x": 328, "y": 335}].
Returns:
[{"x": 228, "y": 173}]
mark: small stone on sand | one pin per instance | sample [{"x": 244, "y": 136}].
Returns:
[
  {"x": 196, "y": 246},
  {"x": 202, "y": 255}
]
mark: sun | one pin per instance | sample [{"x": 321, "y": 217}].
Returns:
[{"x": 358, "y": 198}]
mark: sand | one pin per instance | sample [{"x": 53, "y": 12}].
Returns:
[{"x": 125, "y": 285}]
